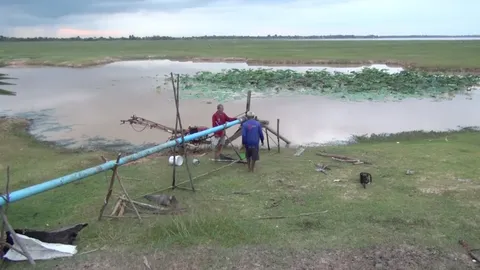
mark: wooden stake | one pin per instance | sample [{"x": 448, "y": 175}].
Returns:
[
  {"x": 5, "y": 223},
  {"x": 124, "y": 192},
  {"x": 128, "y": 197},
  {"x": 117, "y": 205},
  {"x": 16, "y": 240},
  {"x": 233, "y": 147},
  {"x": 238, "y": 133},
  {"x": 293, "y": 216},
  {"x": 174, "y": 136},
  {"x": 235, "y": 135},
  {"x": 14, "y": 248},
  {"x": 268, "y": 140},
  {"x": 122, "y": 208},
  {"x": 183, "y": 133},
  {"x": 178, "y": 121},
  {"x": 278, "y": 134},
  {"x": 7, "y": 189},
  {"x": 249, "y": 97},
  {"x": 6, "y": 197},
  {"x": 110, "y": 188}
]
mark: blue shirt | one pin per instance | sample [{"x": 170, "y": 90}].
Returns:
[{"x": 252, "y": 133}]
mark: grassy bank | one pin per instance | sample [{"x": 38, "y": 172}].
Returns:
[
  {"x": 428, "y": 55},
  {"x": 432, "y": 208}
]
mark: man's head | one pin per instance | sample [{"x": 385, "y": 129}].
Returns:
[
  {"x": 250, "y": 115},
  {"x": 220, "y": 107}
]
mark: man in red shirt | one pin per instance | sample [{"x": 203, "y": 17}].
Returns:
[{"x": 218, "y": 140}]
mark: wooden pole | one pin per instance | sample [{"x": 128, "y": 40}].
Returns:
[
  {"x": 16, "y": 240},
  {"x": 235, "y": 135},
  {"x": 183, "y": 133},
  {"x": 233, "y": 147},
  {"x": 7, "y": 199},
  {"x": 174, "y": 135},
  {"x": 110, "y": 188},
  {"x": 5, "y": 223},
  {"x": 278, "y": 134},
  {"x": 238, "y": 133},
  {"x": 179, "y": 122},
  {"x": 268, "y": 140},
  {"x": 249, "y": 99},
  {"x": 125, "y": 191},
  {"x": 7, "y": 189}
]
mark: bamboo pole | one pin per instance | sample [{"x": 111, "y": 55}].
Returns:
[
  {"x": 268, "y": 140},
  {"x": 124, "y": 192},
  {"x": 278, "y": 135},
  {"x": 176, "y": 91},
  {"x": 110, "y": 188},
  {"x": 235, "y": 135},
  {"x": 249, "y": 98},
  {"x": 17, "y": 240},
  {"x": 5, "y": 223},
  {"x": 174, "y": 175}
]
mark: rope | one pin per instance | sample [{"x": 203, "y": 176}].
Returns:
[{"x": 144, "y": 127}]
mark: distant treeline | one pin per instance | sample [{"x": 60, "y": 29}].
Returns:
[{"x": 269, "y": 37}]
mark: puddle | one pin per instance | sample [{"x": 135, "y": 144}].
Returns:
[{"x": 79, "y": 107}]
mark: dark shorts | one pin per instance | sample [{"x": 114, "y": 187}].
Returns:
[{"x": 251, "y": 153}]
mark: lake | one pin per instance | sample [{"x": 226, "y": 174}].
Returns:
[{"x": 84, "y": 106}]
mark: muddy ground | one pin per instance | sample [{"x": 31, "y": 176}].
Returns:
[{"x": 379, "y": 257}]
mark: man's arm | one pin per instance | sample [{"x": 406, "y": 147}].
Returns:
[
  {"x": 229, "y": 119},
  {"x": 244, "y": 134}
]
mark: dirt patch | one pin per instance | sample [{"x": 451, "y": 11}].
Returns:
[
  {"x": 8, "y": 123},
  {"x": 441, "y": 190},
  {"x": 252, "y": 62},
  {"x": 353, "y": 194},
  {"x": 379, "y": 257}
]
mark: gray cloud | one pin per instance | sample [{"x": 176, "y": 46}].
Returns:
[
  {"x": 53, "y": 9},
  {"x": 50, "y": 12},
  {"x": 31, "y": 12}
]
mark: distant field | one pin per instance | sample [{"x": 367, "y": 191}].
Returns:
[{"x": 429, "y": 55}]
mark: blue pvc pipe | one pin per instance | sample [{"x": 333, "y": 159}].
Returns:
[{"x": 76, "y": 176}]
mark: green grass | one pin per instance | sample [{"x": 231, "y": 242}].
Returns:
[
  {"x": 429, "y": 208},
  {"x": 432, "y": 55}
]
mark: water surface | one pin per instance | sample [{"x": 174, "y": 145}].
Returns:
[{"x": 81, "y": 106}]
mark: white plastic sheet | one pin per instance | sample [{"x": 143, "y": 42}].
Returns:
[{"x": 40, "y": 250}]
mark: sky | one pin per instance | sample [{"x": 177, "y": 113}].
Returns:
[{"x": 87, "y": 18}]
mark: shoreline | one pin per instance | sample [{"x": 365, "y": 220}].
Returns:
[
  {"x": 248, "y": 61},
  {"x": 24, "y": 127}
]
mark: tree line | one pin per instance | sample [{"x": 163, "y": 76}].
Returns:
[{"x": 268, "y": 37}]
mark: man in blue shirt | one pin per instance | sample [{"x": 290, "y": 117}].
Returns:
[{"x": 251, "y": 136}]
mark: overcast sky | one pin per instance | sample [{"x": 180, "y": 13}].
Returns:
[{"x": 63, "y": 18}]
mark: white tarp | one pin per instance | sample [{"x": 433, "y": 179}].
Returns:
[{"x": 40, "y": 250}]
